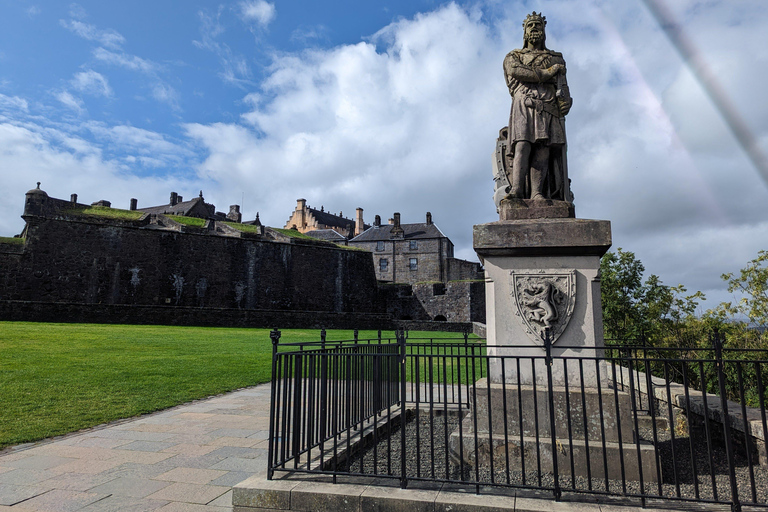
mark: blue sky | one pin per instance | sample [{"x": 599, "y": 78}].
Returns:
[{"x": 390, "y": 107}]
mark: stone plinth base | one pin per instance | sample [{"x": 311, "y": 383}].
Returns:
[
  {"x": 521, "y": 209},
  {"x": 520, "y": 403},
  {"x": 573, "y": 457},
  {"x": 513, "y": 424},
  {"x": 565, "y": 254}
]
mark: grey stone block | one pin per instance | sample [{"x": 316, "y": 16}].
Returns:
[
  {"x": 259, "y": 493},
  {"x": 551, "y": 237},
  {"x": 387, "y": 499},
  {"x": 461, "y": 502},
  {"x": 326, "y": 497}
]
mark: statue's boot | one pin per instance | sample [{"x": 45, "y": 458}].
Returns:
[{"x": 537, "y": 184}]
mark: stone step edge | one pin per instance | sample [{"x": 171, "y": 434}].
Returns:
[{"x": 318, "y": 494}]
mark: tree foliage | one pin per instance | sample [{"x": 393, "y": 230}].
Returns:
[
  {"x": 752, "y": 283},
  {"x": 633, "y": 308}
]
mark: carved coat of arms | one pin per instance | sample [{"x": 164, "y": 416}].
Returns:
[{"x": 544, "y": 301}]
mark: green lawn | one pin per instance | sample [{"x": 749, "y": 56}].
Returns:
[{"x": 58, "y": 378}]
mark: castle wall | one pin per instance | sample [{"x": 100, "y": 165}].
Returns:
[
  {"x": 462, "y": 302},
  {"x": 459, "y": 270},
  {"x": 76, "y": 261}
]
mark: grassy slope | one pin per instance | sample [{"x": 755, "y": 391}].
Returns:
[
  {"x": 104, "y": 211},
  {"x": 58, "y": 378}
]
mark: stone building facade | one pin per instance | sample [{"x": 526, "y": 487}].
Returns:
[
  {"x": 306, "y": 219},
  {"x": 414, "y": 253}
]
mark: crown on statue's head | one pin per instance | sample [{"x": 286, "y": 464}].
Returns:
[{"x": 535, "y": 16}]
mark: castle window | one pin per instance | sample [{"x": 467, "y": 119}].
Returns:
[
  {"x": 413, "y": 264},
  {"x": 413, "y": 245},
  {"x": 380, "y": 247},
  {"x": 383, "y": 264}
]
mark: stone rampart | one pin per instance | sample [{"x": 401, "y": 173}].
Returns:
[{"x": 83, "y": 261}]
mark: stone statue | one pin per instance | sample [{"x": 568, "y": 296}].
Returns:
[{"x": 530, "y": 161}]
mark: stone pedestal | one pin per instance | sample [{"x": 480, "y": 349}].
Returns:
[
  {"x": 544, "y": 274},
  {"x": 543, "y": 279}
]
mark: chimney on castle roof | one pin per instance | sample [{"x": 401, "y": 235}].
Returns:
[
  {"x": 397, "y": 230},
  {"x": 134, "y": 203},
  {"x": 301, "y": 206},
  {"x": 377, "y": 221},
  {"x": 429, "y": 218},
  {"x": 359, "y": 224},
  {"x": 174, "y": 198},
  {"x": 234, "y": 213},
  {"x": 73, "y": 198}
]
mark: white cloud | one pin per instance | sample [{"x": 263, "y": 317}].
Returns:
[
  {"x": 235, "y": 69},
  {"x": 407, "y": 121},
  {"x": 109, "y": 38},
  {"x": 160, "y": 90},
  {"x": 68, "y": 100},
  {"x": 164, "y": 93},
  {"x": 91, "y": 82},
  {"x": 124, "y": 60},
  {"x": 66, "y": 164},
  {"x": 33, "y": 11},
  {"x": 138, "y": 141},
  {"x": 260, "y": 11},
  {"x": 13, "y": 103}
]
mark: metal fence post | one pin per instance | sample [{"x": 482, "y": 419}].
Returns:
[
  {"x": 401, "y": 343},
  {"x": 274, "y": 335},
  {"x": 551, "y": 393},
  {"x": 718, "y": 346}
]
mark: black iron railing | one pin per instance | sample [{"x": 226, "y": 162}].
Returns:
[{"x": 634, "y": 421}]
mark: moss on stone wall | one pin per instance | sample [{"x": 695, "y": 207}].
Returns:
[
  {"x": 188, "y": 221},
  {"x": 293, "y": 233},
  {"x": 103, "y": 211},
  {"x": 245, "y": 228},
  {"x": 11, "y": 240}
]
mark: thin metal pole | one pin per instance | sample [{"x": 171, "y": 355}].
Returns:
[
  {"x": 551, "y": 391},
  {"x": 718, "y": 345},
  {"x": 274, "y": 335},
  {"x": 403, "y": 476}
]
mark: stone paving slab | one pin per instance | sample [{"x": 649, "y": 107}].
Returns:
[
  {"x": 191, "y": 475},
  {"x": 12, "y": 494},
  {"x": 123, "y": 504},
  {"x": 189, "y": 493},
  {"x": 160, "y": 462},
  {"x": 58, "y": 500},
  {"x": 130, "y": 487}
]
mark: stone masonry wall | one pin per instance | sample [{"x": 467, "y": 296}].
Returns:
[
  {"x": 77, "y": 261},
  {"x": 451, "y": 302}
]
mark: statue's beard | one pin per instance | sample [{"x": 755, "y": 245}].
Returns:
[{"x": 535, "y": 37}]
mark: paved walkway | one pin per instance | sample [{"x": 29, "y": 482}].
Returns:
[{"x": 182, "y": 459}]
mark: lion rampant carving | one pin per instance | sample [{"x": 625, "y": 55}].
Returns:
[{"x": 544, "y": 301}]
